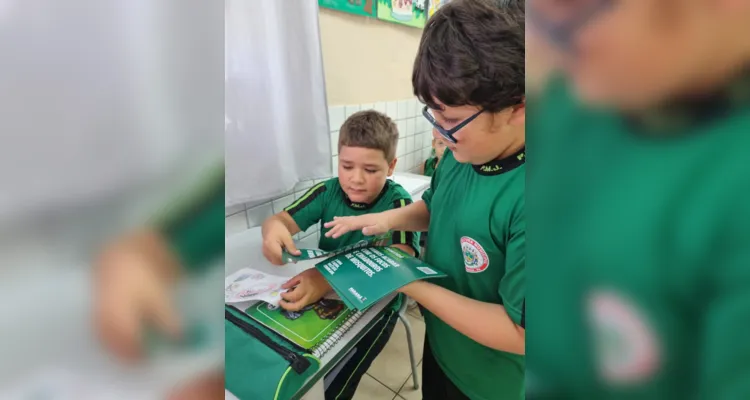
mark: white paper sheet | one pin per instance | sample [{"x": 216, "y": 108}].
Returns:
[{"x": 251, "y": 285}]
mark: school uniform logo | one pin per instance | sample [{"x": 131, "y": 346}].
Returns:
[
  {"x": 627, "y": 350},
  {"x": 475, "y": 258}
]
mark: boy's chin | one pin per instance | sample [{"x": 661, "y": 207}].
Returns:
[{"x": 359, "y": 197}]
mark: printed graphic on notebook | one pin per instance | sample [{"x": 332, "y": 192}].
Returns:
[{"x": 315, "y": 328}]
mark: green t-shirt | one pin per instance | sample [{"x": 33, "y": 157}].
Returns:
[
  {"x": 327, "y": 200},
  {"x": 429, "y": 166},
  {"x": 477, "y": 237},
  {"x": 639, "y": 247}
]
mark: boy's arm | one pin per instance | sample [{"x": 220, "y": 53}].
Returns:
[
  {"x": 497, "y": 329},
  {"x": 282, "y": 218},
  {"x": 503, "y": 327},
  {"x": 413, "y": 218}
]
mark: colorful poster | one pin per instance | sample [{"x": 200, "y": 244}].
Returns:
[
  {"x": 368, "y": 8},
  {"x": 407, "y": 12},
  {"x": 434, "y": 5}
]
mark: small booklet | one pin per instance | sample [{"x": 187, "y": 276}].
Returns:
[
  {"x": 311, "y": 254},
  {"x": 248, "y": 285},
  {"x": 316, "y": 328},
  {"x": 363, "y": 276}
]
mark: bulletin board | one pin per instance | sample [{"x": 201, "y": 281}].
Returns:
[
  {"x": 367, "y": 8},
  {"x": 407, "y": 12}
]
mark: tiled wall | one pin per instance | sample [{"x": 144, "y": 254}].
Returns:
[{"x": 415, "y": 143}]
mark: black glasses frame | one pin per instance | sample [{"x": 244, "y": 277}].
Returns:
[{"x": 448, "y": 133}]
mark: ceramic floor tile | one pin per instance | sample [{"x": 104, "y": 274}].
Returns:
[
  {"x": 407, "y": 391},
  {"x": 371, "y": 389},
  {"x": 392, "y": 365}
]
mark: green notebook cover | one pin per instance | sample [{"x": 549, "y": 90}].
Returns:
[
  {"x": 310, "y": 328},
  {"x": 310, "y": 254},
  {"x": 364, "y": 276}
]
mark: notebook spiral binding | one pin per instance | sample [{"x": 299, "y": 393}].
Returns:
[{"x": 336, "y": 335}]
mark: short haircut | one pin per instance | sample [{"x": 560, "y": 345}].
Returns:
[
  {"x": 372, "y": 130},
  {"x": 472, "y": 52}
]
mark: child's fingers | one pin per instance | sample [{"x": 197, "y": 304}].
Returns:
[
  {"x": 288, "y": 244},
  {"x": 292, "y": 305},
  {"x": 371, "y": 230},
  {"x": 162, "y": 313},
  {"x": 333, "y": 233},
  {"x": 119, "y": 326},
  {"x": 291, "y": 283},
  {"x": 272, "y": 252},
  {"x": 293, "y": 295},
  {"x": 338, "y": 231}
]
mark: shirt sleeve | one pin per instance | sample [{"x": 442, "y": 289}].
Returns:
[
  {"x": 194, "y": 229},
  {"x": 308, "y": 209},
  {"x": 512, "y": 288},
  {"x": 410, "y": 239}
]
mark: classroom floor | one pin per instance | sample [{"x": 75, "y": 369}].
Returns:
[{"x": 389, "y": 377}]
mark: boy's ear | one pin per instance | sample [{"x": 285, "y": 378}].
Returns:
[
  {"x": 392, "y": 166},
  {"x": 518, "y": 115}
]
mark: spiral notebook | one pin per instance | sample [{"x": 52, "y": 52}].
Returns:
[{"x": 316, "y": 328}]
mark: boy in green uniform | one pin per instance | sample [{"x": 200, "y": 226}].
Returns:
[
  {"x": 438, "y": 149},
  {"x": 471, "y": 76},
  {"x": 367, "y": 156},
  {"x": 639, "y": 190}
]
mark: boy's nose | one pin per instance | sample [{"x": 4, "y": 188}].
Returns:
[{"x": 358, "y": 176}]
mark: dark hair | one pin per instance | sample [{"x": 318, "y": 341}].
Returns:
[
  {"x": 472, "y": 52},
  {"x": 372, "y": 130}
]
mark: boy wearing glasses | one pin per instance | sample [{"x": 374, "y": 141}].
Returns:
[
  {"x": 367, "y": 156},
  {"x": 644, "y": 253},
  {"x": 471, "y": 76}
]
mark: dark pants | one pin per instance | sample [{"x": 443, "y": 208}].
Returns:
[
  {"x": 435, "y": 385},
  {"x": 347, "y": 380}
]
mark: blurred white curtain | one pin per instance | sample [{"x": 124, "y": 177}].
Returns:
[{"x": 276, "y": 113}]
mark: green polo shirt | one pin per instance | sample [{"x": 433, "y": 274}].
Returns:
[
  {"x": 477, "y": 237},
  {"x": 639, "y": 247},
  {"x": 429, "y": 166}
]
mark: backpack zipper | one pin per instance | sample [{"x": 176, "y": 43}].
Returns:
[{"x": 298, "y": 363}]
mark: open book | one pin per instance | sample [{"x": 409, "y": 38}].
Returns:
[{"x": 364, "y": 273}]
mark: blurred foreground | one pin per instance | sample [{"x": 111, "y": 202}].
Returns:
[{"x": 109, "y": 112}]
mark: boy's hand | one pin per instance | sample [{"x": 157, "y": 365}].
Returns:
[
  {"x": 133, "y": 288},
  {"x": 276, "y": 238},
  {"x": 370, "y": 224},
  {"x": 311, "y": 286}
]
